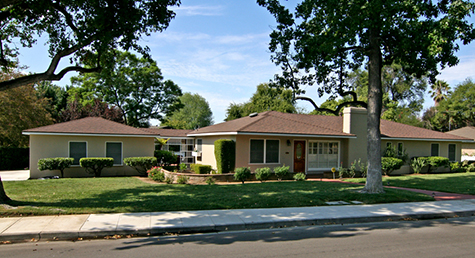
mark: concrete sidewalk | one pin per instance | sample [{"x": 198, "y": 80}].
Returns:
[
  {"x": 72, "y": 227},
  {"x": 15, "y": 175}
]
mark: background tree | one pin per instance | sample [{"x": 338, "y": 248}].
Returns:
[
  {"x": 264, "y": 99},
  {"x": 194, "y": 114},
  {"x": 76, "y": 29},
  {"x": 75, "y": 110},
  {"x": 134, "y": 85},
  {"x": 326, "y": 39},
  {"x": 439, "y": 91},
  {"x": 56, "y": 96}
]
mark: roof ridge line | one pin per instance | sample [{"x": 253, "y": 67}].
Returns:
[
  {"x": 313, "y": 125},
  {"x": 260, "y": 117}
]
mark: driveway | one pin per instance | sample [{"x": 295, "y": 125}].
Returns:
[{"x": 15, "y": 175}]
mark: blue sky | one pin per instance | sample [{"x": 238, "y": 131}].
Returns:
[{"x": 219, "y": 49}]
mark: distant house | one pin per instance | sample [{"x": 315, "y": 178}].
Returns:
[
  {"x": 89, "y": 137},
  {"x": 468, "y": 149},
  {"x": 178, "y": 142}
]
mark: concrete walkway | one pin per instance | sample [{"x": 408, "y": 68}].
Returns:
[
  {"x": 15, "y": 175},
  {"x": 73, "y": 227}
]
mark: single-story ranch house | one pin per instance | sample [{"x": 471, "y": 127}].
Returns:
[
  {"x": 468, "y": 150},
  {"x": 307, "y": 143}
]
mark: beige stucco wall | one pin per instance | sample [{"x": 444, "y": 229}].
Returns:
[
  {"x": 355, "y": 122},
  {"x": 207, "y": 151},
  {"x": 48, "y": 146}
]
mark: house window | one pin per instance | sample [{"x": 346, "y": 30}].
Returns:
[
  {"x": 323, "y": 155},
  {"x": 199, "y": 148},
  {"x": 114, "y": 150},
  {"x": 264, "y": 151},
  {"x": 452, "y": 151},
  {"x": 434, "y": 149},
  {"x": 400, "y": 148},
  {"x": 388, "y": 145},
  {"x": 77, "y": 150}
]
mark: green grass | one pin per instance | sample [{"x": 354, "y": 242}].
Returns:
[
  {"x": 462, "y": 183},
  {"x": 125, "y": 194}
]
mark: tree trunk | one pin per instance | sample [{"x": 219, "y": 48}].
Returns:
[
  {"x": 374, "y": 182},
  {"x": 3, "y": 196}
]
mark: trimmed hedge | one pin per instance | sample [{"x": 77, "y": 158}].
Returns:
[
  {"x": 281, "y": 172},
  {"x": 241, "y": 174},
  {"x": 388, "y": 164},
  {"x": 435, "y": 161},
  {"x": 55, "y": 164},
  {"x": 200, "y": 169},
  {"x": 225, "y": 153},
  {"x": 262, "y": 174},
  {"x": 141, "y": 164},
  {"x": 165, "y": 157},
  {"x": 95, "y": 165},
  {"x": 12, "y": 158}
]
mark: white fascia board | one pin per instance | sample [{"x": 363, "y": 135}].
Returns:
[
  {"x": 274, "y": 134},
  {"x": 427, "y": 139},
  {"x": 175, "y": 137},
  {"x": 87, "y": 134}
]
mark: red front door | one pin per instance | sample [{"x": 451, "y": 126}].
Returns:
[{"x": 299, "y": 156}]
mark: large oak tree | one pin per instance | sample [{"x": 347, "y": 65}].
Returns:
[{"x": 325, "y": 39}]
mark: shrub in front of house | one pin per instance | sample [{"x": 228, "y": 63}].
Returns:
[
  {"x": 141, "y": 164},
  {"x": 165, "y": 157},
  {"x": 210, "y": 181},
  {"x": 388, "y": 164},
  {"x": 435, "y": 162},
  {"x": 225, "y": 153},
  {"x": 242, "y": 173},
  {"x": 55, "y": 164},
  {"x": 183, "y": 167},
  {"x": 182, "y": 179},
  {"x": 96, "y": 165},
  {"x": 262, "y": 174},
  {"x": 300, "y": 177},
  {"x": 417, "y": 164},
  {"x": 201, "y": 169},
  {"x": 156, "y": 174},
  {"x": 281, "y": 172}
]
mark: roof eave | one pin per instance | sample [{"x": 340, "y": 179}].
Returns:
[
  {"x": 274, "y": 134},
  {"x": 91, "y": 134},
  {"x": 426, "y": 139}
]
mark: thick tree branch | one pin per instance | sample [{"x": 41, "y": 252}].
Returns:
[
  {"x": 67, "y": 16},
  {"x": 335, "y": 112}
]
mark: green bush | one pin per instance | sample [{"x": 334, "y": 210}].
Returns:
[
  {"x": 456, "y": 167},
  {"x": 182, "y": 180},
  {"x": 388, "y": 164},
  {"x": 262, "y": 174},
  {"x": 299, "y": 177},
  {"x": 169, "y": 180},
  {"x": 156, "y": 174},
  {"x": 183, "y": 167},
  {"x": 201, "y": 169},
  {"x": 417, "y": 164},
  {"x": 55, "y": 164},
  {"x": 281, "y": 172},
  {"x": 210, "y": 180},
  {"x": 225, "y": 154},
  {"x": 470, "y": 168},
  {"x": 393, "y": 152},
  {"x": 241, "y": 174},
  {"x": 170, "y": 168},
  {"x": 13, "y": 158},
  {"x": 165, "y": 157},
  {"x": 141, "y": 164},
  {"x": 436, "y": 162},
  {"x": 95, "y": 165}
]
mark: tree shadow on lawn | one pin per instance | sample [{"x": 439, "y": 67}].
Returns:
[
  {"x": 462, "y": 183},
  {"x": 154, "y": 198}
]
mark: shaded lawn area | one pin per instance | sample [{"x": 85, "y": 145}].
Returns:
[
  {"x": 127, "y": 194},
  {"x": 462, "y": 183}
]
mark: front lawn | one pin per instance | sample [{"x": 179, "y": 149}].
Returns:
[
  {"x": 127, "y": 194},
  {"x": 462, "y": 183}
]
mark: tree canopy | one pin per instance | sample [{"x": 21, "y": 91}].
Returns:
[
  {"x": 132, "y": 84},
  {"x": 77, "y": 29},
  {"x": 265, "y": 98},
  {"x": 326, "y": 39},
  {"x": 194, "y": 114}
]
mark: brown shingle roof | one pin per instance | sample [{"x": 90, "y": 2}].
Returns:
[
  {"x": 391, "y": 129},
  {"x": 164, "y": 133},
  {"x": 90, "y": 125},
  {"x": 467, "y": 132},
  {"x": 273, "y": 122}
]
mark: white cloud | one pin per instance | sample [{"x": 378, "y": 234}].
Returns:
[
  {"x": 199, "y": 10},
  {"x": 457, "y": 74}
]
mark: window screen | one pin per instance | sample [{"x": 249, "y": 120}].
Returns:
[
  {"x": 114, "y": 150},
  {"x": 77, "y": 150}
]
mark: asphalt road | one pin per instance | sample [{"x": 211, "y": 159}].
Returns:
[{"x": 431, "y": 238}]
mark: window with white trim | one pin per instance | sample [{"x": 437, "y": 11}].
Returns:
[
  {"x": 77, "y": 150},
  {"x": 434, "y": 149},
  {"x": 323, "y": 155},
  {"x": 114, "y": 150},
  {"x": 400, "y": 148},
  {"x": 264, "y": 151}
]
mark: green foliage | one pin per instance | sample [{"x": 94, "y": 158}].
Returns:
[
  {"x": 161, "y": 142},
  {"x": 470, "y": 168},
  {"x": 141, "y": 164},
  {"x": 389, "y": 164},
  {"x": 96, "y": 165},
  {"x": 210, "y": 181},
  {"x": 417, "y": 164},
  {"x": 55, "y": 164},
  {"x": 14, "y": 158},
  {"x": 363, "y": 167},
  {"x": 225, "y": 154},
  {"x": 181, "y": 179},
  {"x": 281, "y": 172},
  {"x": 56, "y": 96},
  {"x": 194, "y": 114},
  {"x": 201, "y": 169},
  {"x": 456, "y": 167},
  {"x": 169, "y": 180},
  {"x": 342, "y": 172},
  {"x": 156, "y": 174},
  {"x": 165, "y": 157},
  {"x": 393, "y": 152},
  {"x": 300, "y": 177},
  {"x": 183, "y": 167},
  {"x": 262, "y": 174},
  {"x": 135, "y": 85},
  {"x": 436, "y": 162},
  {"x": 76, "y": 29},
  {"x": 264, "y": 99},
  {"x": 242, "y": 173},
  {"x": 170, "y": 168}
]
